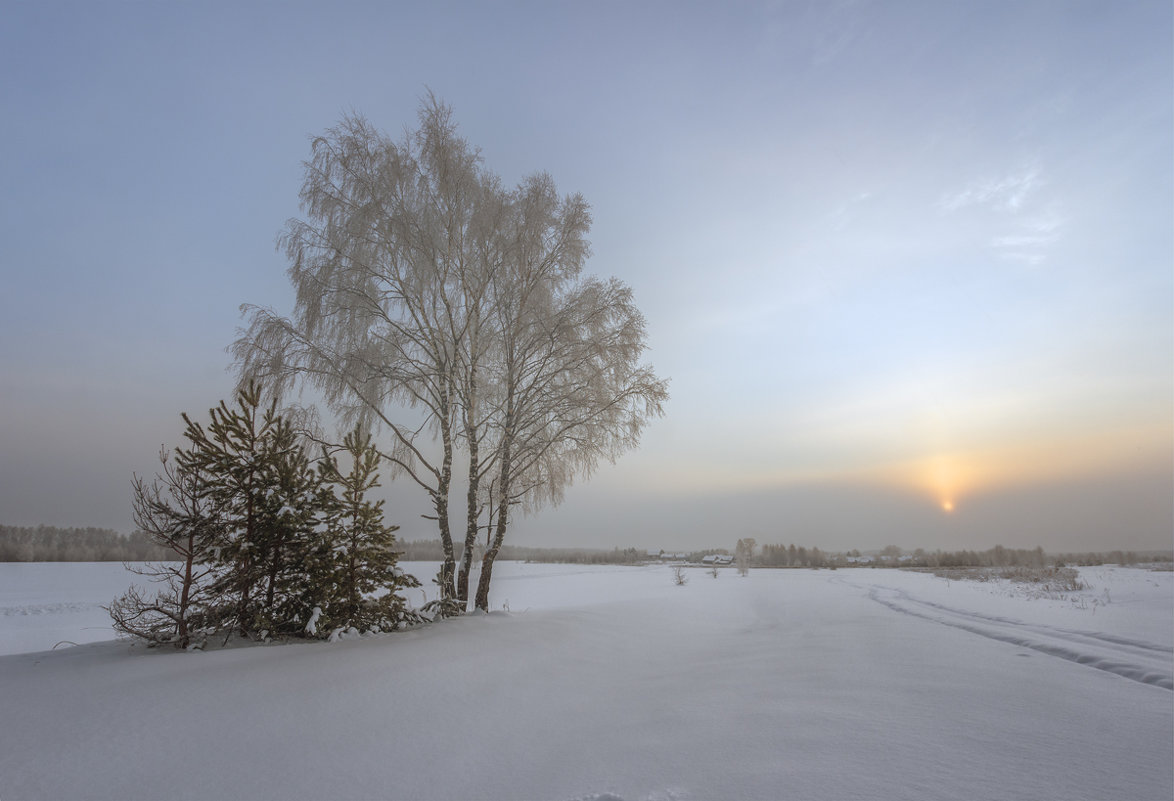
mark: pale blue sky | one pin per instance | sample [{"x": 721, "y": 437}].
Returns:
[{"x": 892, "y": 255}]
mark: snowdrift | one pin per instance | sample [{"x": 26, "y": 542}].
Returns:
[{"x": 604, "y": 683}]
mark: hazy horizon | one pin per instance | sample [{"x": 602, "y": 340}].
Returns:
[{"x": 909, "y": 266}]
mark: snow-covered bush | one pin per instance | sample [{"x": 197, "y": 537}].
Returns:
[
  {"x": 1049, "y": 579},
  {"x": 174, "y": 513}
]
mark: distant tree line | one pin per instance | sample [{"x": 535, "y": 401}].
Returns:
[
  {"x": 791, "y": 556},
  {"x": 433, "y": 551},
  {"x": 1112, "y": 558},
  {"x": 994, "y": 557},
  {"x": 998, "y": 556},
  {"x": 800, "y": 556},
  {"x": 697, "y": 556},
  {"x": 50, "y": 544}
]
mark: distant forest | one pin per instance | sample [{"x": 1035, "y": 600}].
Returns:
[
  {"x": 999, "y": 556},
  {"x": 804, "y": 557},
  {"x": 432, "y": 551},
  {"x": 50, "y": 544}
]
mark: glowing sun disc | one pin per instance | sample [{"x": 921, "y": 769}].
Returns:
[{"x": 947, "y": 506}]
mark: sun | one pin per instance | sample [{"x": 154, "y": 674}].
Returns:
[{"x": 947, "y": 506}]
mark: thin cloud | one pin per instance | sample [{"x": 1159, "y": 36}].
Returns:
[
  {"x": 842, "y": 216},
  {"x": 1032, "y": 239},
  {"x": 1017, "y": 201},
  {"x": 1008, "y": 193},
  {"x": 841, "y": 29}
]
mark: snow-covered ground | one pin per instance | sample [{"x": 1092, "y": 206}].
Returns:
[
  {"x": 613, "y": 682},
  {"x": 43, "y": 604}
]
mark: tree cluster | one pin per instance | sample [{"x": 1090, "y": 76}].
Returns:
[
  {"x": 697, "y": 556},
  {"x": 264, "y": 541},
  {"x": 50, "y": 544},
  {"x": 1123, "y": 558},
  {"x": 791, "y": 556},
  {"x": 450, "y": 311},
  {"x": 994, "y": 557},
  {"x": 1000, "y": 556}
]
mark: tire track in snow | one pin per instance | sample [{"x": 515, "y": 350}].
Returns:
[
  {"x": 1099, "y": 637},
  {"x": 1136, "y": 660}
]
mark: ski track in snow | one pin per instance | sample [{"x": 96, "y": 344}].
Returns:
[{"x": 1137, "y": 660}]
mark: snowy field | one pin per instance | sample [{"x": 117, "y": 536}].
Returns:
[{"x": 612, "y": 682}]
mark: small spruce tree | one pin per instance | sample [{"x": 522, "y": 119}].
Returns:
[
  {"x": 296, "y": 549},
  {"x": 362, "y": 546},
  {"x": 230, "y": 452},
  {"x": 260, "y": 481}
]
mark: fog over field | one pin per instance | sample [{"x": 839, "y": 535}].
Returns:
[{"x": 892, "y": 256}]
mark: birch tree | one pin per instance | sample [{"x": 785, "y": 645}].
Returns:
[
  {"x": 572, "y": 393},
  {"x": 744, "y": 553},
  {"x": 474, "y": 340},
  {"x": 441, "y": 308},
  {"x": 569, "y": 387},
  {"x": 378, "y": 266}
]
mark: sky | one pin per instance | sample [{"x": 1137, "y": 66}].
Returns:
[{"x": 908, "y": 265}]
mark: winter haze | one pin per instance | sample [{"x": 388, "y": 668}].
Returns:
[{"x": 907, "y": 265}]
